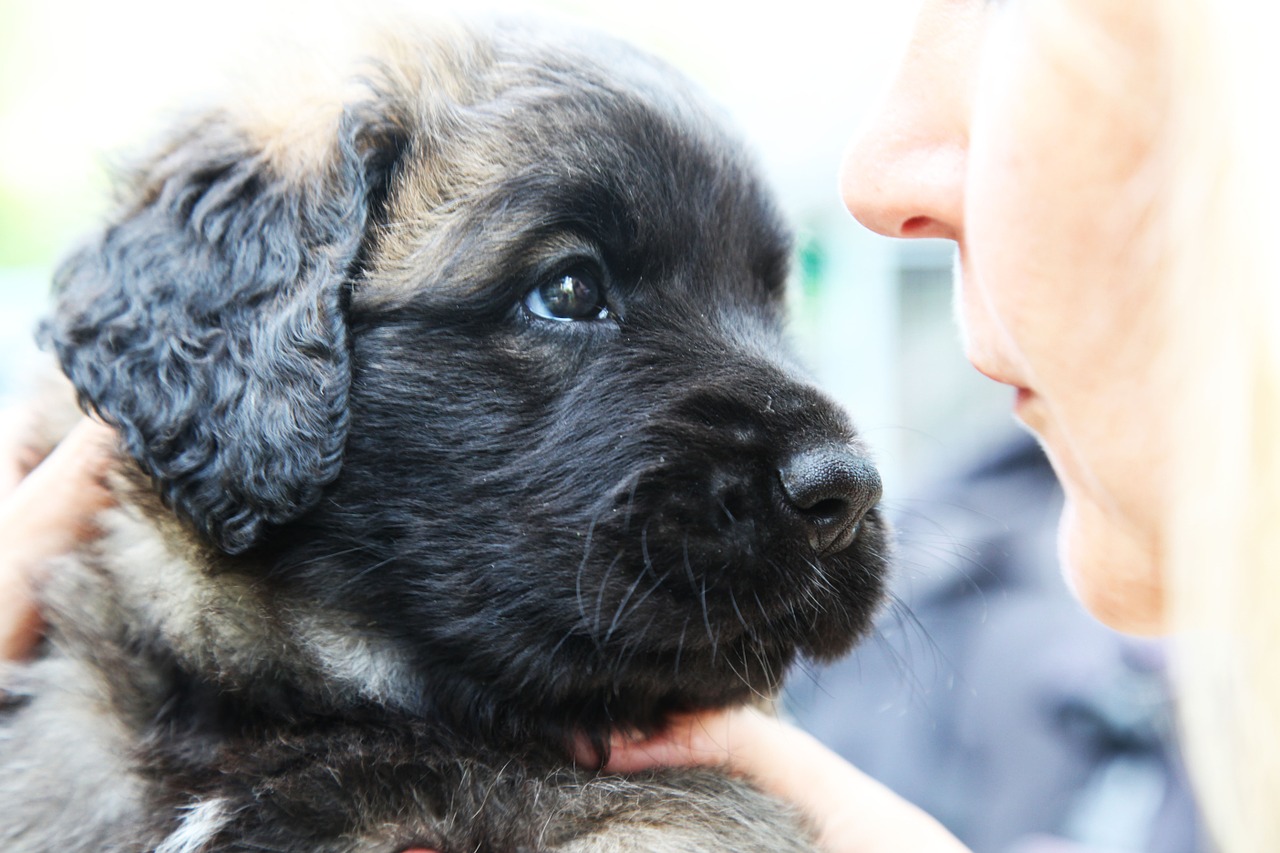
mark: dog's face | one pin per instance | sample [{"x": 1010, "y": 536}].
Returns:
[{"x": 500, "y": 375}]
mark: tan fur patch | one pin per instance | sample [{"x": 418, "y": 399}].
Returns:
[
  {"x": 291, "y": 105},
  {"x": 222, "y": 623}
]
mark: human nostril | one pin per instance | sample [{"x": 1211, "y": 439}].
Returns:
[
  {"x": 906, "y": 185},
  {"x": 917, "y": 226},
  {"x": 829, "y": 490}
]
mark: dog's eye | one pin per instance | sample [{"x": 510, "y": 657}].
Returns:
[{"x": 573, "y": 295}]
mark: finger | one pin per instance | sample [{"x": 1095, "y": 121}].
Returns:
[
  {"x": 84, "y": 454},
  {"x": 688, "y": 740},
  {"x": 56, "y": 502},
  {"x": 11, "y": 455},
  {"x": 46, "y": 515}
]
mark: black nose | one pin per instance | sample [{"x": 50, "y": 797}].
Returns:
[{"x": 830, "y": 490}]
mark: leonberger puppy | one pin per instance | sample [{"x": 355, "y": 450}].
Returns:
[{"x": 457, "y": 427}]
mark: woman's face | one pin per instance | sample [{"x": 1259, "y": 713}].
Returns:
[{"x": 1024, "y": 140}]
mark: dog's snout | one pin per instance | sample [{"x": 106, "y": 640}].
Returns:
[{"x": 830, "y": 490}]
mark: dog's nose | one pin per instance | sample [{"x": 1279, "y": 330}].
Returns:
[{"x": 830, "y": 489}]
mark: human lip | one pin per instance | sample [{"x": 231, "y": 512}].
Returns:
[
  {"x": 1022, "y": 403},
  {"x": 999, "y": 374},
  {"x": 1024, "y": 398}
]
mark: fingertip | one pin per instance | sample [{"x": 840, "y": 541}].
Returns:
[
  {"x": 90, "y": 433},
  {"x": 85, "y": 453}
]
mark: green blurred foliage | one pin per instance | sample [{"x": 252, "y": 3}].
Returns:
[
  {"x": 28, "y": 228},
  {"x": 32, "y": 231}
]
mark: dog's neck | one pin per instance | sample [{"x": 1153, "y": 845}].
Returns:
[{"x": 224, "y": 625}]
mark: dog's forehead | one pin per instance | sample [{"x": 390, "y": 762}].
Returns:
[{"x": 582, "y": 137}]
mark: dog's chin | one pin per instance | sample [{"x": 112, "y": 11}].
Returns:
[
  {"x": 779, "y": 599},
  {"x": 647, "y": 642}
]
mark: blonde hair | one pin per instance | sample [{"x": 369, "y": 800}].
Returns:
[
  {"x": 1224, "y": 514},
  {"x": 1212, "y": 206}
]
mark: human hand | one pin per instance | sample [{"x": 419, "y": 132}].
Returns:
[
  {"x": 853, "y": 812},
  {"x": 42, "y": 515}
]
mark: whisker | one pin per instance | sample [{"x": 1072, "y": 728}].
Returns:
[
  {"x": 820, "y": 576},
  {"x": 742, "y": 620},
  {"x": 644, "y": 545},
  {"x": 764, "y": 614},
  {"x": 604, "y": 581},
  {"x": 811, "y": 671},
  {"x": 658, "y": 581},
  {"x": 725, "y": 507},
  {"x": 582, "y": 566},
  {"x": 680, "y": 644},
  {"x": 744, "y": 679},
  {"x": 617, "y": 614},
  {"x": 706, "y": 620},
  {"x": 631, "y": 501},
  {"x": 688, "y": 569},
  {"x": 564, "y": 639},
  {"x": 630, "y": 650}
]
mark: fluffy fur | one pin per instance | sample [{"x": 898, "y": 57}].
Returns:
[{"x": 391, "y": 536}]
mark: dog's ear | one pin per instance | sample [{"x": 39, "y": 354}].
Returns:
[{"x": 207, "y": 322}]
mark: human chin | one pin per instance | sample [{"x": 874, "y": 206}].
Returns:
[{"x": 1113, "y": 573}]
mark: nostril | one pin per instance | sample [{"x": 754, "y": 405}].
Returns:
[
  {"x": 827, "y": 509},
  {"x": 829, "y": 490}
]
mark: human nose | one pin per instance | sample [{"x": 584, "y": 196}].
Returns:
[{"x": 903, "y": 175}]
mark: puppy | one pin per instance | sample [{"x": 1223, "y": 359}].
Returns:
[{"x": 456, "y": 426}]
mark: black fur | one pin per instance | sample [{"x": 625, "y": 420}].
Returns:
[{"x": 543, "y": 530}]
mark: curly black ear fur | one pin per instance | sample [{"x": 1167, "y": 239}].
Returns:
[{"x": 207, "y": 323}]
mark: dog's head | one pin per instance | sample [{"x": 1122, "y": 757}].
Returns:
[{"x": 490, "y": 360}]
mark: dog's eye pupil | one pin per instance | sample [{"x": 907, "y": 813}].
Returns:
[{"x": 575, "y": 295}]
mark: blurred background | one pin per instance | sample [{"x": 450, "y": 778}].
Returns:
[{"x": 965, "y": 694}]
